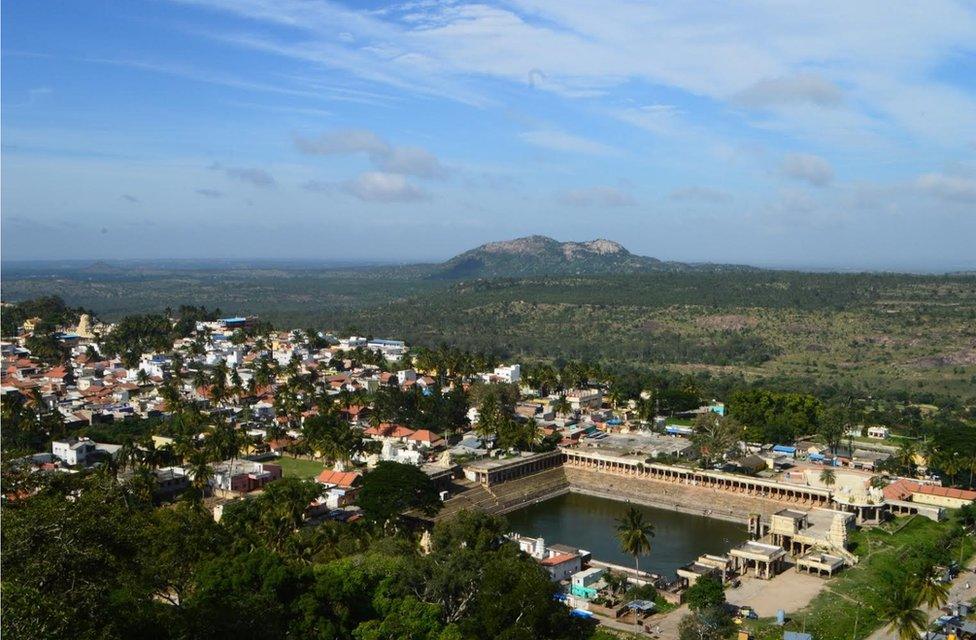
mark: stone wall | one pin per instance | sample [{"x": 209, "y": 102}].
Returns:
[{"x": 697, "y": 500}]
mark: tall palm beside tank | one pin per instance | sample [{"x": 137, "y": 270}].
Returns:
[
  {"x": 828, "y": 477},
  {"x": 634, "y": 534}
]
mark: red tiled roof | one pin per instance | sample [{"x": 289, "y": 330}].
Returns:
[
  {"x": 557, "y": 559},
  {"x": 344, "y": 479},
  {"x": 946, "y": 492},
  {"x": 904, "y": 488},
  {"x": 899, "y": 490},
  {"x": 424, "y": 435},
  {"x": 401, "y": 431}
]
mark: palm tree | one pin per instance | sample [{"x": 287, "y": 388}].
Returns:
[
  {"x": 901, "y": 613},
  {"x": 952, "y": 465},
  {"x": 906, "y": 456},
  {"x": 561, "y": 406},
  {"x": 202, "y": 472},
  {"x": 971, "y": 467},
  {"x": 930, "y": 592},
  {"x": 634, "y": 535},
  {"x": 177, "y": 367},
  {"x": 828, "y": 477}
]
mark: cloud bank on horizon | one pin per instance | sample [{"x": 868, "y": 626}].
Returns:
[{"x": 767, "y": 133}]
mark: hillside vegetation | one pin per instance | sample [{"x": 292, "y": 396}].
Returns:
[{"x": 872, "y": 331}]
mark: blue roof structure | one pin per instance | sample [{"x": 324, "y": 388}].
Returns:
[{"x": 641, "y": 605}]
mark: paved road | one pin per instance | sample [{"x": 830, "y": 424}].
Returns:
[{"x": 963, "y": 588}]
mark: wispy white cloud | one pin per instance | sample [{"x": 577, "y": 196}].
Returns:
[
  {"x": 377, "y": 186},
  {"x": 555, "y": 140},
  {"x": 801, "y": 88},
  {"x": 251, "y": 175},
  {"x": 948, "y": 187},
  {"x": 413, "y": 161},
  {"x": 586, "y": 51},
  {"x": 808, "y": 168}
]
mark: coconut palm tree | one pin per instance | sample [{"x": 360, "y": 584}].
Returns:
[
  {"x": 561, "y": 406},
  {"x": 202, "y": 472},
  {"x": 828, "y": 477},
  {"x": 906, "y": 456},
  {"x": 901, "y": 613},
  {"x": 970, "y": 465},
  {"x": 930, "y": 592},
  {"x": 635, "y": 535}
]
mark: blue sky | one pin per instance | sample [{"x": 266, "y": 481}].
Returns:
[{"x": 841, "y": 136}]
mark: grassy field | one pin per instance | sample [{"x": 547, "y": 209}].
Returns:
[
  {"x": 847, "y": 609},
  {"x": 296, "y": 467}
]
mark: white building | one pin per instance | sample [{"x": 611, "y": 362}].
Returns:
[
  {"x": 73, "y": 451},
  {"x": 389, "y": 348},
  {"x": 352, "y": 342},
  {"x": 585, "y": 399},
  {"x": 79, "y": 451},
  {"x": 511, "y": 373},
  {"x": 881, "y": 433}
]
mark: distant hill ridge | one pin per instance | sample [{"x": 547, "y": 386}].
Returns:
[{"x": 542, "y": 255}]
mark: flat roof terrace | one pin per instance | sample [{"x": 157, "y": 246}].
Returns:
[{"x": 637, "y": 445}]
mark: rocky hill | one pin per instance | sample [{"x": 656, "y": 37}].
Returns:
[{"x": 541, "y": 255}]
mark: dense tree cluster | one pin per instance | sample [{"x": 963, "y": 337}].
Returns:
[
  {"x": 772, "y": 417},
  {"x": 52, "y": 311},
  {"x": 133, "y": 336},
  {"x": 87, "y": 556}
]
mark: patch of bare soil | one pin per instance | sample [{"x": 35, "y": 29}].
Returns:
[
  {"x": 728, "y": 322},
  {"x": 961, "y": 358},
  {"x": 652, "y": 326}
]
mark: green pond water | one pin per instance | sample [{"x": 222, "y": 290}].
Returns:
[{"x": 588, "y": 522}]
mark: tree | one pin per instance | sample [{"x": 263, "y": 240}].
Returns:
[
  {"x": 392, "y": 488},
  {"x": 134, "y": 335},
  {"x": 490, "y": 415},
  {"x": 901, "y": 614},
  {"x": 331, "y": 436},
  {"x": 634, "y": 534},
  {"x": 245, "y": 595},
  {"x": 833, "y": 424},
  {"x": 70, "y": 560},
  {"x": 474, "y": 530},
  {"x": 707, "y": 592},
  {"x": 561, "y": 406},
  {"x": 828, "y": 477},
  {"x": 46, "y": 347},
  {"x": 715, "y": 436},
  {"x": 930, "y": 591},
  {"x": 273, "y": 517},
  {"x": 707, "y": 624}
]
